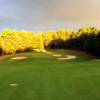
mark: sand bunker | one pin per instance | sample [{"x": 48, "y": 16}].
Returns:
[
  {"x": 71, "y": 56},
  {"x": 15, "y": 58},
  {"x": 13, "y": 84},
  {"x": 68, "y": 57},
  {"x": 57, "y": 55}
]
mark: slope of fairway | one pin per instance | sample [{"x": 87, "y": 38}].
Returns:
[{"x": 41, "y": 76}]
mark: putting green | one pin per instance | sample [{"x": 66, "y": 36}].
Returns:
[{"x": 42, "y": 76}]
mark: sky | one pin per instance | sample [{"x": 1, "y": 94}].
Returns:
[{"x": 44, "y": 15}]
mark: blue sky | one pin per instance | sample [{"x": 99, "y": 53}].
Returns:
[{"x": 44, "y": 15}]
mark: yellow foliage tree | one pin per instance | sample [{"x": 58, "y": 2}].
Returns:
[{"x": 40, "y": 41}]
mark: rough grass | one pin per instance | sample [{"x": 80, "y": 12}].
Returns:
[{"x": 42, "y": 77}]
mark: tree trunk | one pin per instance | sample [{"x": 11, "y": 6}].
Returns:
[{"x": 2, "y": 52}]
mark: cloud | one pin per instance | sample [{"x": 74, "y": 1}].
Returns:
[
  {"x": 65, "y": 11},
  {"x": 49, "y": 14},
  {"x": 8, "y": 20},
  {"x": 21, "y": 8},
  {"x": 72, "y": 10}
]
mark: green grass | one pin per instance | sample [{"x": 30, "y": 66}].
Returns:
[{"x": 42, "y": 77}]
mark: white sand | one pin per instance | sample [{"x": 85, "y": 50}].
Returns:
[
  {"x": 13, "y": 84},
  {"x": 68, "y": 57},
  {"x": 57, "y": 55},
  {"x": 18, "y": 58}
]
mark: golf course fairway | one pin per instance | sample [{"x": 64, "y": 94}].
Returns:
[{"x": 42, "y": 76}]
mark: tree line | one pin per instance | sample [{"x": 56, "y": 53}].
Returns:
[{"x": 86, "y": 39}]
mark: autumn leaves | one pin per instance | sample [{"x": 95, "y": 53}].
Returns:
[{"x": 19, "y": 41}]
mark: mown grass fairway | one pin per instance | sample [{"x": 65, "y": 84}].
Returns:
[{"x": 42, "y": 77}]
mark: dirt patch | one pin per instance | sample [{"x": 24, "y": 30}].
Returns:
[
  {"x": 57, "y": 55},
  {"x": 68, "y": 57},
  {"x": 15, "y": 58}
]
